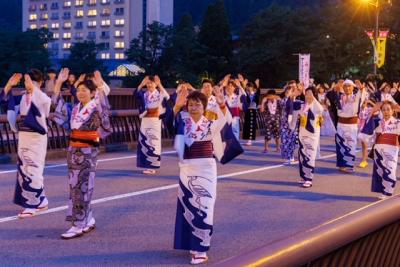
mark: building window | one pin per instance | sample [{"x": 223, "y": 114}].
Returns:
[
  {"x": 91, "y": 35},
  {"x": 33, "y": 26},
  {"x": 120, "y": 22},
  {"x": 43, "y": 7},
  {"x": 67, "y": 25},
  {"x": 56, "y": 35},
  {"x": 32, "y": 8},
  {"x": 55, "y": 25},
  {"x": 67, "y": 15},
  {"x": 105, "y": 12},
  {"x": 78, "y": 25},
  {"x": 92, "y": 23},
  {"x": 105, "y": 35},
  {"x": 54, "y": 46},
  {"x": 119, "y": 11},
  {"x": 33, "y": 17},
  {"x": 92, "y": 13},
  {"x": 119, "y": 56},
  {"x": 67, "y": 45},
  {"x": 79, "y": 13},
  {"x": 119, "y": 45},
  {"x": 119, "y": 33},
  {"x": 67, "y": 4},
  {"x": 79, "y": 3},
  {"x": 105, "y": 22},
  {"x": 105, "y": 2},
  {"x": 66, "y": 35},
  {"x": 54, "y": 16},
  {"x": 92, "y": 2},
  {"x": 44, "y": 16},
  {"x": 45, "y": 26},
  {"x": 105, "y": 55},
  {"x": 54, "y": 5},
  {"x": 78, "y": 35}
]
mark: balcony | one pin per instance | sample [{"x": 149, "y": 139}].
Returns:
[
  {"x": 78, "y": 37},
  {"x": 54, "y": 17},
  {"x": 105, "y": 14},
  {"x": 119, "y": 13},
  {"x": 105, "y": 25},
  {"x": 67, "y": 17},
  {"x": 119, "y": 36},
  {"x": 43, "y": 18}
]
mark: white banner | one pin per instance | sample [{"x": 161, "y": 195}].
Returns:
[{"x": 304, "y": 69}]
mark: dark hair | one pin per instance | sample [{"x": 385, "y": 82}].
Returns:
[
  {"x": 89, "y": 84},
  {"x": 292, "y": 81},
  {"x": 314, "y": 91},
  {"x": 271, "y": 92},
  {"x": 89, "y": 76},
  {"x": 198, "y": 97},
  {"x": 251, "y": 84},
  {"x": 36, "y": 75},
  {"x": 232, "y": 82},
  {"x": 207, "y": 81},
  {"x": 151, "y": 78},
  {"x": 51, "y": 71}
]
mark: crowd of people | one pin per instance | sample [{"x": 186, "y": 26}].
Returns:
[{"x": 207, "y": 126}]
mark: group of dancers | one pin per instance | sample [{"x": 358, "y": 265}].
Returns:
[{"x": 207, "y": 125}]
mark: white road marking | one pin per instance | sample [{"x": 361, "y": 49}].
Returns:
[{"x": 156, "y": 189}]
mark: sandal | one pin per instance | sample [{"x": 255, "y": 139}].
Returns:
[
  {"x": 196, "y": 259},
  {"x": 150, "y": 172},
  {"x": 307, "y": 184}
]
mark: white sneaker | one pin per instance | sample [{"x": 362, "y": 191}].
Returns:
[
  {"x": 198, "y": 258},
  {"x": 90, "y": 226},
  {"x": 73, "y": 232}
]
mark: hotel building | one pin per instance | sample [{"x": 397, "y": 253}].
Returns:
[{"x": 111, "y": 23}]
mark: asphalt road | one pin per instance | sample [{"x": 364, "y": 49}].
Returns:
[{"x": 258, "y": 202}]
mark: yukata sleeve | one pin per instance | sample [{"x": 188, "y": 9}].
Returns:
[
  {"x": 7, "y": 101},
  {"x": 42, "y": 101}
]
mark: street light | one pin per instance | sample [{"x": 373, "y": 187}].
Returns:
[{"x": 377, "y": 5}]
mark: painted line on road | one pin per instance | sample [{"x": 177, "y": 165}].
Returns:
[
  {"x": 101, "y": 160},
  {"x": 156, "y": 189}
]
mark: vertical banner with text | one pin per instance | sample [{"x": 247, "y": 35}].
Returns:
[{"x": 304, "y": 69}]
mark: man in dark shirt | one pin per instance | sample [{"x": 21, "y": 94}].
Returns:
[{"x": 333, "y": 98}]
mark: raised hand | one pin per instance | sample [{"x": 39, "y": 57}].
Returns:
[
  {"x": 97, "y": 79},
  {"x": 13, "y": 81},
  {"x": 241, "y": 78},
  {"x": 80, "y": 79},
  {"x": 63, "y": 75},
  {"x": 182, "y": 97},
  {"x": 219, "y": 95},
  {"x": 144, "y": 82},
  {"x": 257, "y": 82},
  {"x": 157, "y": 80},
  {"x": 28, "y": 83}
]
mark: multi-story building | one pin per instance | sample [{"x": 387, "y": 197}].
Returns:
[{"x": 111, "y": 23}]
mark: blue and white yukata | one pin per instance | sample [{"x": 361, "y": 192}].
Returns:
[
  {"x": 309, "y": 135},
  {"x": 385, "y": 153},
  {"x": 151, "y": 106},
  {"x": 34, "y": 109},
  {"x": 197, "y": 143},
  {"x": 347, "y": 128}
]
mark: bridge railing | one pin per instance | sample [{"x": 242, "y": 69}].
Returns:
[{"x": 365, "y": 237}]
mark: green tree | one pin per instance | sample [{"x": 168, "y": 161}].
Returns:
[
  {"x": 83, "y": 58},
  {"x": 148, "y": 55},
  {"x": 216, "y": 39},
  {"x": 21, "y": 51}
]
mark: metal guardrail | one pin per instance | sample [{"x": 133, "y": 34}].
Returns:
[{"x": 366, "y": 237}]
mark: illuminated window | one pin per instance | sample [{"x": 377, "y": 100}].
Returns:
[
  {"x": 79, "y": 35},
  {"x": 92, "y": 12},
  {"x": 33, "y": 17},
  {"x": 79, "y": 3},
  {"x": 45, "y": 26},
  {"x": 105, "y": 22},
  {"x": 43, "y": 7},
  {"x": 105, "y": 55},
  {"x": 105, "y": 2},
  {"x": 105, "y": 12},
  {"x": 66, "y": 35},
  {"x": 46, "y": 45},
  {"x": 55, "y": 25},
  {"x": 67, "y": 4},
  {"x": 120, "y": 22},
  {"x": 44, "y": 16},
  {"x": 33, "y": 27},
  {"x": 67, "y": 45},
  {"x": 79, "y": 13},
  {"x": 56, "y": 35},
  {"x": 92, "y": 2},
  {"x": 67, "y": 25},
  {"x": 119, "y": 33},
  {"x": 119, "y": 45},
  {"x": 119, "y": 56},
  {"x": 92, "y": 23}
]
